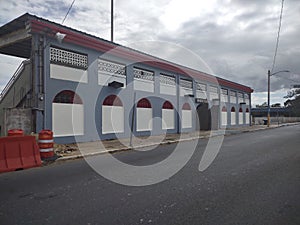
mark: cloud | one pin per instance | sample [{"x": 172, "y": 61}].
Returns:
[{"x": 235, "y": 38}]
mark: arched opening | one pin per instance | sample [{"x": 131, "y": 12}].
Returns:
[
  {"x": 204, "y": 116},
  {"x": 112, "y": 115},
  {"x": 168, "y": 116},
  {"x": 224, "y": 116},
  {"x": 186, "y": 116},
  {"x": 67, "y": 114},
  {"x": 233, "y": 116},
  {"x": 144, "y": 115},
  {"x": 241, "y": 116}
]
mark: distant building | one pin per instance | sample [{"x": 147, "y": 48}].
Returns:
[{"x": 84, "y": 87}]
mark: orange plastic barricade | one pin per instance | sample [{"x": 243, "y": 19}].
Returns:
[
  {"x": 46, "y": 143},
  {"x": 18, "y": 152},
  {"x": 15, "y": 132}
]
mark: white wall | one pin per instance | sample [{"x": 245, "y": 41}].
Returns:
[
  {"x": 201, "y": 94},
  {"x": 233, "y": 99},
  {"x": 168, "y": 119},
  {"x": 143, "y": 85},
  {"x": 167, "y": 89},
  {"x": 224, "y": 118},
  {"x": 67, "y": 119},
  {"x": 247, "y": 118},
  {"x": 185, "y": 91},
  {"x": 68, "y": 73},
  {"x": 186, "y": 119},
  {"x": 241, "y": 117},
  {"x": 144, "y": 119},
  {"x": 233, "y": 118},
  {"x": 112, "y": 119}
]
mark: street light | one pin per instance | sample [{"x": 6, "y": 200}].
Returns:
[{"x": 269, "y": 75}]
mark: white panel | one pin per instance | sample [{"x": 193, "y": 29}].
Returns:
[
  {"x": 112, "y": 119},
  {"x": 186, "y": 118},
  {"x": 224, "y": 98},
  {"x": 240, "y": 100},
  {"x": 247, "y": 101},
  {"x": 241, "y": 118},
  {"x": 232, "y": 99},
  {"x": 185, "y": 91},
  {"x": 67, "y": 119},
  {"x": 143, "y": 119},
  {"x": 167, "y": 89},
  {"x": 105, "y": 79},
  {"x": 224, "y": 118},
  {"x": 233, "y": 118},
  {"x": 201, "y": 94},
  {"x": 168, "y": 119},
  {"x": 213, "y": 96},
  {"x": 68, "y": 73},
  {"x": 247, "y": 118},
  {"x": 143, "y": 85}
]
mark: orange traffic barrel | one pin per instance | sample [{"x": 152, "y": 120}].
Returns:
[
  {"x": 46, "y": 143},
  {"x": 15, "y": 132}
]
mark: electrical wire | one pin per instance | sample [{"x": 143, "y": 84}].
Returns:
[
  {"x": 278, "y": 34},
  {"x": 68, "y": 12}
]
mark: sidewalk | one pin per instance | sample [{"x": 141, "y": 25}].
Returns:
[{"x": 73, "y": 151}]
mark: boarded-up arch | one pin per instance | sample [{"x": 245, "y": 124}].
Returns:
[
  {"x": 112, "y": 115},
  {"x": 144, "y": 115},
  {"x": 168, "y": 116},
  {"x": 224, "y": 116},
  {"x": 67, "y": 114},
  {"x": 233, "y": 116},
  {"x": 186, "y": 116}
]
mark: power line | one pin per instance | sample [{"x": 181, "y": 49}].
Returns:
[
  {"x": 278, "y": 34},
  {"x": 68, "y": 12}
]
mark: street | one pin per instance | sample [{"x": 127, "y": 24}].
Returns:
[{"x": 255, "y": 179}]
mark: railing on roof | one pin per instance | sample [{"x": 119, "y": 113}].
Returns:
[{"x": 13, "y": 78}]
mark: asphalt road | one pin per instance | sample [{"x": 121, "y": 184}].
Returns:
[{"x": 255, "y": 179}]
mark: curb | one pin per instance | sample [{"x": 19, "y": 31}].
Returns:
[{"x": 225, "y": 133}]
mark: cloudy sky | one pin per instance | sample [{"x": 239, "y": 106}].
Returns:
[{"x": 233, "y": 39}]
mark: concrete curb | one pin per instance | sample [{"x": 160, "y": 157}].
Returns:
[{"x": 64, "y": 158}]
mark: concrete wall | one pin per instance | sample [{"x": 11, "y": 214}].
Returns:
[
  {"x": 16, "y": 93},
  {"x": 17, "y": 119},
  {"x": 274, "y": 120}
]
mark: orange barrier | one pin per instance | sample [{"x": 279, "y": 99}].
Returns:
[
  {"x": 15, "y": 132},
  {"x": 18, "y": 153},
  {"x": 46, "y": 143}
]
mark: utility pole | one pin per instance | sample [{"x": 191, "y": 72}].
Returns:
[
  {"x": 269, "y": 75},
  {"x": 112, "y": 21}
]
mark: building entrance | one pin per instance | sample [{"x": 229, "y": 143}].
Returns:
[{"x": 204, "y": 117}]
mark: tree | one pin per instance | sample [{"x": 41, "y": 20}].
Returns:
[{"x": 293, "y": 102}]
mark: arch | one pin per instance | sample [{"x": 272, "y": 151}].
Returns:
[
  {"x": 167, "y": 105},
  {"x": 67, "y": 97},
  {"x": 247, "y": 110},
  {"x": 241, "y": 110},
  {"x": 67, "y": 114},
  {"x": 224, "y": 109},
  {"x": 186, "y": 106},
  {"x": 232, "y": 109},
  {"x": 112, "y": 100},
  {"x": 144, "y": 103}
]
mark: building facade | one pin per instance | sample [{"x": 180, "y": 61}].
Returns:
[{"x": 85, "y": 88}]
